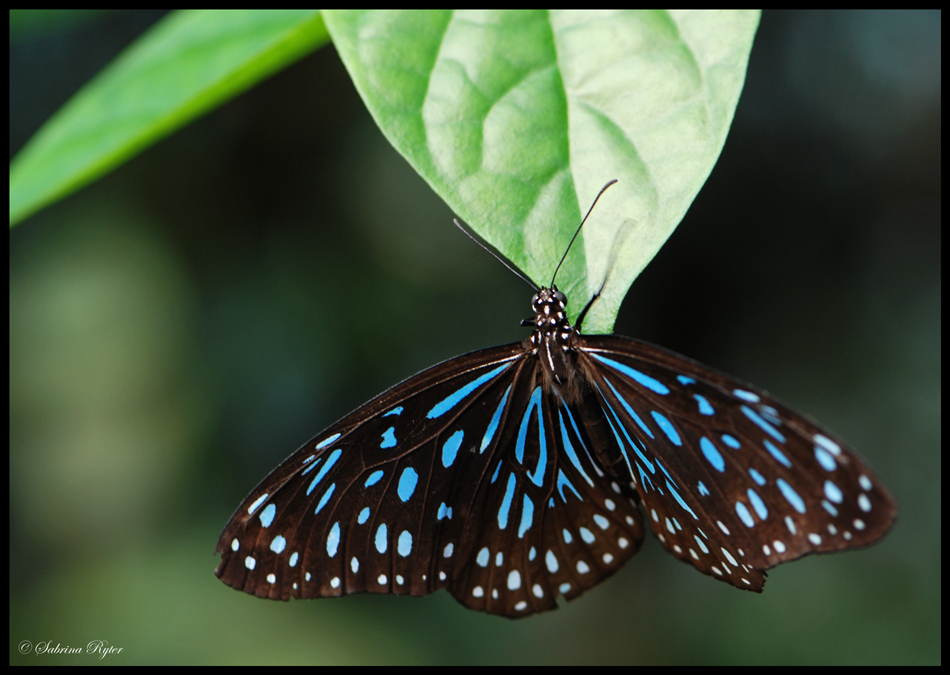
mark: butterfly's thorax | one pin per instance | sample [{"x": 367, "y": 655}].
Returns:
[{"x": 553, "y": 340}]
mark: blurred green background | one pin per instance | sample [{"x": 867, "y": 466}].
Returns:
[{"x": 182, "y": 325}]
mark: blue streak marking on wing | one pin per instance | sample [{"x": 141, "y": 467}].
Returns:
[
  {"x": 538, "y": 477},
  {"x": 620, "y": 445},
  {"x": 663, "y": 469},
  {"x": 635, "y": 446},
  {"x": 333, "y": 540},
  {"x": 771, "y": 414},
  {"x": 325, "y": 498},
  {"x": 758, "y": 504},
  {"x": 451, "y": 448},
  {"x": 506, "y": 503},
  {"x": 791, "y": 496},
  {"x": 645, "y": 481},
  {"x": 640, "y": 378},
  {"x": 762, "y": 424},
  {"x": 833, "y": 492},
  {"x": 622, "y": 426},
  {"x": 744, "y": 515},
  {"x": 630, "y": 411},
  {"x": 527, "y": 516},
  {"x": 776, "y": 453},
  {"x": 746, "y": 395},
  {"x": 407, "y": 483},
  {"x": 667, "y": 427},
  {"x": 825, "y": 459},
  {"x": 455, "y": 397},
  {"x": 562, "y": 480},
  {"x": 267, "y": 515},
  {"x": 493, "y": 425},
  {"x": 325, "y": 442},
  {"x": 569, "y": 451},
  {"x": 676, "y": 496},
  {"x": 577, "y": 433},
  {"x": 311, "y": 467},
  {"x": 334, "y": 456},
  {"x": 712, "y": 454},
  {"x": 535, "y": 402},
  {"x": 257, "y": 502}
]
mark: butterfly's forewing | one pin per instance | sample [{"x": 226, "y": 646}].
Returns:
[
  {"x": 358, "y": 508},
  {"x": 468, "y": 476},
  {"x": 732, "y": 481}
]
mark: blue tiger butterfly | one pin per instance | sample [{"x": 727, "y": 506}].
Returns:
[{"x": 515, "y": 474}]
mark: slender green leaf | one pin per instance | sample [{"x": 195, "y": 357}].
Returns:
[
  {"x": 187, "y": 64},
  {"x": 518, "y": 118}
]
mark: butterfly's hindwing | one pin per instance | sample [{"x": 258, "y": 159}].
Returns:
[
  {"x": 549, "y": 526},
  {"x": 732, "y": 481}
]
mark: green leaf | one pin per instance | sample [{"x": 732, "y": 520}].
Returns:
[
  {"x": 187, "y": 64},
  {"x": 518, "y": 118}
]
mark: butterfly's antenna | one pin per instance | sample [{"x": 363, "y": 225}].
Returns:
[
  {"x": 496, "y": 255},
  {"x": 626, "y": 227},
  {"x": 564, "y": 257}
]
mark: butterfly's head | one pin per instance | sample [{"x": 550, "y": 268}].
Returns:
[{"x": 549, "y": 302}]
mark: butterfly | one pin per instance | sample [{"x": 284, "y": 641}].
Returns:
[{"x": 516, "y": 474}]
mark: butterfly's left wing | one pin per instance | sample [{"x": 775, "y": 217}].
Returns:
[
  {"x": 376, "y": 501},
  {"x": 731, "y": 480}
]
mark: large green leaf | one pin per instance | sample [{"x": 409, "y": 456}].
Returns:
[
  {"x": 518, "y": 118},
  {"x": 187, "y": 64}
]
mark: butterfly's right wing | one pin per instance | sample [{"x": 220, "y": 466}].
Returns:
[{"x": 732, "y": 481}]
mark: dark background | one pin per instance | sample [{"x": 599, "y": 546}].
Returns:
[{"x": 183, "y": 324}]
